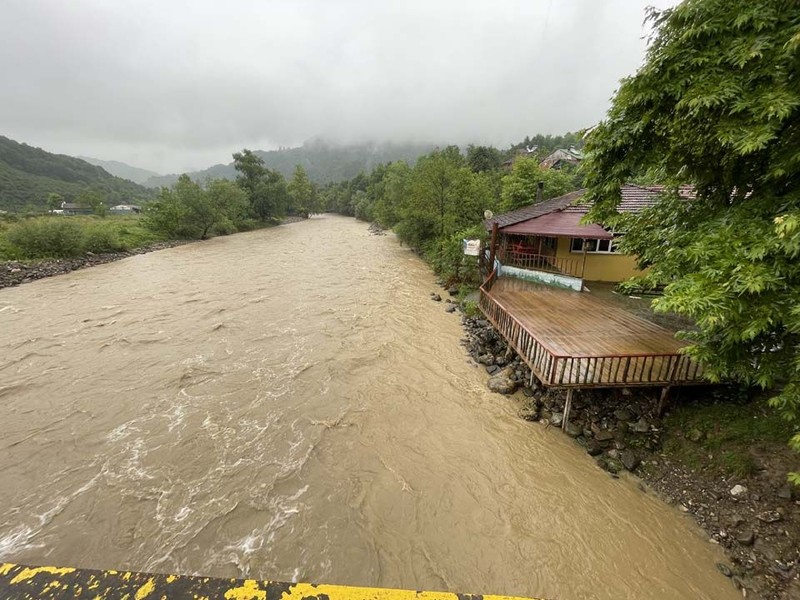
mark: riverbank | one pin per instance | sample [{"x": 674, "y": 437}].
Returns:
[
  {"x": 16, "y": 272},
  {"x": 722, "y": 460}
]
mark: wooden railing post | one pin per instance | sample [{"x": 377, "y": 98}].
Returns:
[{"x": 493, "y": 246}]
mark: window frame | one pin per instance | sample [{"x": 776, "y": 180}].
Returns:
[{"x": 612, "y": 245}]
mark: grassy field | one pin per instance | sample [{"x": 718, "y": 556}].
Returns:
[{"x": 61, "y": 237}]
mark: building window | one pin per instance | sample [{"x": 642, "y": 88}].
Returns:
[{"x": 594, "y": 246}]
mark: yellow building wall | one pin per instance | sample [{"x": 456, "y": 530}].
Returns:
[{"x": 600, "y": 267}]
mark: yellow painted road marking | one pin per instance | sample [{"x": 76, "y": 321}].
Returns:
[{"x": 21, "y": 581}]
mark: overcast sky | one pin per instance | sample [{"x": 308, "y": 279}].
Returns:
[{"x": 171, "y": 85}]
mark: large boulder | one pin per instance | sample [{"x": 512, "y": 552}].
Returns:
[{"x": 503, "y": 382}]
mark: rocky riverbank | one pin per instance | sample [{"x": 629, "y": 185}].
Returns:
[
  {"x": 756, "y": 519},
  {"x": 17, "y": 272}
]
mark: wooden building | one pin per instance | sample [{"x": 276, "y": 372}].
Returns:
[
  {"x": 569, "y": 339},
  {"x": 548, "y": 243}
]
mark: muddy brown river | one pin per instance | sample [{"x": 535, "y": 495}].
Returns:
[{"x": 289, "y": 404}]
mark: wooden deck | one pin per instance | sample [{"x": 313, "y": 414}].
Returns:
[{"x": 574, "y": 340}]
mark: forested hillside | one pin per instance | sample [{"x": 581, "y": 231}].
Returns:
[
  {"x": 121, "y": 169},
  {"x": 28, "y": 175},
  {"x": 324, "y": 162}
]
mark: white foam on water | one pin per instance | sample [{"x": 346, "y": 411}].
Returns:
[{"x": 18, "y": 539}]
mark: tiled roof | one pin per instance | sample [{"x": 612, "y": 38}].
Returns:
[
  {"x": 635, "y": 198},
  {"x": 559, "y": 224},
  {"x": 535, "y": 210}
]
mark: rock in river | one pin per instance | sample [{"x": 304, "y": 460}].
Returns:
[
  {"x": 629, "y": 460},
  {"x": 593, "y": 448},
  {"x": 501, "y": 384}
]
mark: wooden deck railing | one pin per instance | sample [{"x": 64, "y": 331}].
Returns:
[
  {"x": 543, "y": 262},
  {"x": 558, "y": 370}
]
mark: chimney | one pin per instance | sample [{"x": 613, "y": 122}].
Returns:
[{"x": 539, "y": 192}]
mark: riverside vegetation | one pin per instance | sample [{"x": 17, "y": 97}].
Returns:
[{"x": 34, "y": 246}]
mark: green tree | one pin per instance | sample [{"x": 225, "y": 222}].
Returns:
[
  {"x": 302, "y": 193},
  {"x": 265, "y": 188},
  {"x": 445, "y": 197},
  {"x": 271, "y": 198},
  {"x": 250, "y": 170},
  {"x": 54, "y": 201},
  {"x": 396, "y": 189},
  {"x": 483, "y": 158},
  {"x": 187, "y": 210},
  {"x": 93, "y": 199},
  {"x": 717, "y": 105},
  {"x": 226, "y": 206},
  {"x": 521, "y": 185}
]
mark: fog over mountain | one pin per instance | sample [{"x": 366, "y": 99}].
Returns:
[
  {"x": 175, "y": 86},
  {"x": 121, "y": 169}
]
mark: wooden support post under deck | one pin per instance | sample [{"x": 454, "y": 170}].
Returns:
[
  {"x": 663, "y": 400},
  {"x": 567, "y": 409}
]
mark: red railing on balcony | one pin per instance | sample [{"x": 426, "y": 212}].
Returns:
[{"x": 543, "y": 262}]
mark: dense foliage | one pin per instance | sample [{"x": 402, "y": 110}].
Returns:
[
  {"x": 64, "y": 237},
  {"x": 191, "y": 211},
  {"x": 441, "y": 200},
  {"x": 717, "y": 105},
  {"x": 303, "y": 194},
  {"x": 522, "y": 183},
  {"x": 28, "y": 175}
]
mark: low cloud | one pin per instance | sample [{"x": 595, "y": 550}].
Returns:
[{"x": 175, "y": 85}]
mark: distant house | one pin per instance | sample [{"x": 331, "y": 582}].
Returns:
[
  {"x": 547, "y": 242},
  {"x": 72, "y": 208},
  {"x": 125, "y": 209},
  {"x": 561, "y": 157}
]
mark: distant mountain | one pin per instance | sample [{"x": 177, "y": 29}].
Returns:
[
  {"x": 322, "y": 161},
  {"x": 28, "y": 175},
  {"x": 120, "y": 169}
]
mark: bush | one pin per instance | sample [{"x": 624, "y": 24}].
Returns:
[
  {"x": 471, "y": 308},
  {"x": 99, "y": 239},
  {"x": 225, "y": 227},
  {"x": 46, "y": 238},
  {"x": 448, "y": 260},
  {"x": 249, "y": 224}
]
